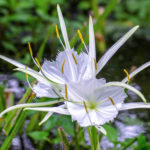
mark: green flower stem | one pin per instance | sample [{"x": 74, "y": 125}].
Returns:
[{"x": 94, "y": 138}]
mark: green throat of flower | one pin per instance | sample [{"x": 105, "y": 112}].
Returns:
[{"x": 92, "y": 105}]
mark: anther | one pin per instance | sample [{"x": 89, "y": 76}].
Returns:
[
  {"x": 62, "y": 68},
  {"x": 85, "y": 106},
  {"x": 75, "y": 60},
  {"x": 80, "y": 35},
  {"x": 38, "y": 63},
  {"x": 82, "y": 40},
  {"x": 112, "y": 101},
  {"x": 95, "y": 64},
  {"x": 30, "y": 49},
  {"x": 57, "y": 33},
  {"x": 66, "y": 92},
  {"x": 127, "y": 74}
]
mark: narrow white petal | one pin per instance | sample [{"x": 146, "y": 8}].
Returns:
[
  {"x": 147, "y": 64},
  {"x": 63, "y": 28},
  {"x": 101, "y": 129},
  {"x": 36, "y": 75},
  {"x": 15, "y": 63},
  {"x": 135, "y": 105},
  {"x": 72, "y": 66},
  {"x": 92, "y": 50},
  {"x": 46, "y": 117},
  {"x": 112, "y": 50},
  {"x": 50, "y": 109},
  {"x": 28, "y": 105},
  {"x": 125, "y": 86}
]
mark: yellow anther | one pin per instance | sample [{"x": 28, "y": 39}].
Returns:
[
  {"x": 30, "y": 49},
  {"x": 112, "y": 101},
  {"x": 127, "y": 74},
  {"x": 85, "y": 106},
  {"x": 27, "y": 76},
  {"x": 80, "y": 35},
  {"x": 38, "y": 63},
  {"x": 75, "y": 60},
  {"x": 57, "y": 33},
  {"x": 66, "y": 92},
  {"x": 95, "y": 64},
  {"x": 62, "y": 68}
]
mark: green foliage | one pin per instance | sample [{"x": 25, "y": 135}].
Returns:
[
  {"x": 142, "y": 143},
  {"x": 112, "y": 133},
  {"x": 38, "y": 135},
  {"x": 2, "y": 99},
  {"x": 133, "y": 11}
]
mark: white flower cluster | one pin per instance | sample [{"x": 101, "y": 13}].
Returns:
[{"x": 89, "y": 101}]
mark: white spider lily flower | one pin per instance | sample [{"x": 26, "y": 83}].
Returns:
[
  {"x": 69, "y": 68},
  {"x": 99, "y": 102}
]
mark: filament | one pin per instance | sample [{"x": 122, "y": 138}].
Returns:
[
  {"x": 40, "y": 67},
  {"x": 27, "y": 78}
]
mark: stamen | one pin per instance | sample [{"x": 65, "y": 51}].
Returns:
[
  {"x": 31, "y": 53},
  {"x": 38, "y": 63},
  {"x": 112, "y": 101},
  {"x": 58, "y": 37},
  {"x": 75, "y": 60},
  {"x": 30, "y": 49},
  {"x": 57, "y": 33},
  {"x": 95, "y": 64},
  {"x": 127, "y": 74},
  {"x": 82, "y": 40},
  {"x": 66, "y": 92},
  {"x": 62, "y": 68}
]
